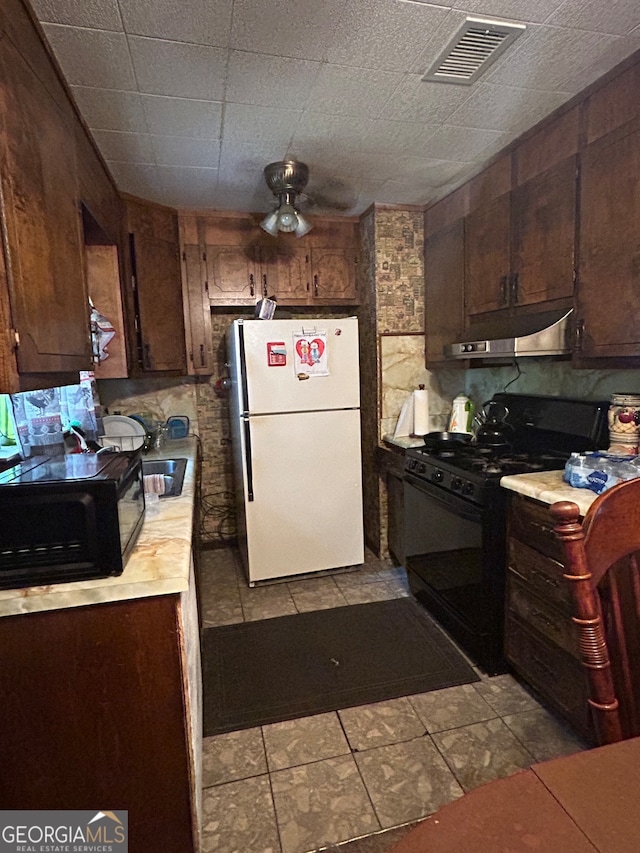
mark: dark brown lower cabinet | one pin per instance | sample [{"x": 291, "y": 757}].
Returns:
[
  {"x": 97, "y": 714},
  {"x": 541, "y": 642}
]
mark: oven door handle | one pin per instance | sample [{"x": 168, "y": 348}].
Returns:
[{"x": 447, "y": 499}]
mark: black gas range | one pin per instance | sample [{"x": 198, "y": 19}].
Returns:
[{"x": 455, "y": 513}]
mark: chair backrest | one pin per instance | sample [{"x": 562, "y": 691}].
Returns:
[{"x": 601, "y": 566}]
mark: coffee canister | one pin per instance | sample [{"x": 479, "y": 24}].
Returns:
[{"x": 624, "y": 424}]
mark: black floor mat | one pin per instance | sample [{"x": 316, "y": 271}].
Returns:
[{"x": 293, "y": 666}]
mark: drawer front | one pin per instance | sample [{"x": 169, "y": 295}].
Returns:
[
  {"x": 556, "y": 676},
  {"x": 542, "y": 574},
  {"x": 531, "y": 523},
  {"x": 552, "y": 623}
]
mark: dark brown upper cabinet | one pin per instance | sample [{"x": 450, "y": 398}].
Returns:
[
  {"x": 444, "y": 288},
  {"x": 244, "y": 264},
  {"x": 608, "y": 291},
  {"x": 155, "y": 299},
  {"x": 520, "y": 247},
  {"x": 45, "y": 337}
]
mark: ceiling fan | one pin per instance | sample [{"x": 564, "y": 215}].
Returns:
[{"x": 286, "y": 179}]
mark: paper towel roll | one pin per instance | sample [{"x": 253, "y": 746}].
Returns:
[{"x": 420, "y": 412}]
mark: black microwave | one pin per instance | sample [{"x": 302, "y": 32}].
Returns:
[{"x": 69, "y": 518}]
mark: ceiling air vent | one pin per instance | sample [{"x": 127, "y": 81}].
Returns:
[{"x": 476, "y": 45}]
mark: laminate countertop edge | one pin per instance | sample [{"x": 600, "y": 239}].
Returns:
[
  {"x": 158, "y": 565},
  {"x": 548, "y": 487}
]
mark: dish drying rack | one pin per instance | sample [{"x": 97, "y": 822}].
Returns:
[{"x": 126, "y": 442}]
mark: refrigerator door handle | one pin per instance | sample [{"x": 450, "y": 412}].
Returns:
[
  {"x": 245, "y": 413},
  {"x": 247, "y": 456}
]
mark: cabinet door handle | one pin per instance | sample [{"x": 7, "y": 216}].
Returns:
[
  {"x": 579, "y": 335},
  {"x": 503, "y": 289},
  {"x": 147, "y": 356},
  {"x": 264, "y": 286},
  {"x": 515, "y": 284},
  {"x": 252, "y": 289},
  {"x": 202, "y": 361},
  {"x": 315, "y": 285}
]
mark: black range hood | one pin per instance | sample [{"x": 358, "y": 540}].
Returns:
[{"x": 548, "y": 333}]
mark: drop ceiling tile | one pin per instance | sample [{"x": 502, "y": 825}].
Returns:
[
  {"x": 180, "y": 151},
  {"x": 615, "y": 51},
  {"x": 388, "y": 36},
  {"x": 125, "y": 147},
  {"x": 536, "y": 11},
  {"x": 395, "y": 192},
  {"x": 245, "y": 191},
  {"x": 182, "y": 116},
  {"x": 416, "y": 100},
  {"x": 548, "y": 57},
  {"x": 617, "y": 17},
  {"x": 95, "y": 14},
  {"x": 242, "y": 157},
  {"x": 188, "y": 187},
  {"x": 470, "y": 146},
  {"x": 270, "y": 81},
  {"x": 430, "y": 173},
  {"x": 178, "y": 69},
  {"x": 352, "y": 91},
  {"x": 205, "y": 22},
  {"x": 92, "y": 57},
  {"x": 106, "y": 109},
  {"x": 397, "y": 138},
  {"x": 505, "y": 107},
  {"x": 135, "y": 179},
  {"x": 264, "y": 125},
  {"x": 301, "y": 30},
  {"x": 330, "y": 131},
  {"x": 175, "y": 177}
]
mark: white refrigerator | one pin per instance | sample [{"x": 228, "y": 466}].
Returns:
[{"x": 295, "y": 415}]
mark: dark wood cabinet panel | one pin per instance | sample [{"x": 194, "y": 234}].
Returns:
[
  {"x": 197, "y": 311},
  {"x": 543, "y": 214},
  {"x": 233, "y": 276},
  {"x": 541, "y": 641},
  {"x": 608, "y": 309},
  {"x": 102, "y": 720},
  {"x": 333, "y": 275},
  {"x": 42, "y": 226},
  {"x": 444, "y": 291},
  {"x": 244, "y": 264},
  {"x": 488, "y": 257},
  {"x": 157, "y": 303}
]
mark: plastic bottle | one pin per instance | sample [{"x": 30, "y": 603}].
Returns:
[{"x": 570, "y": 464}]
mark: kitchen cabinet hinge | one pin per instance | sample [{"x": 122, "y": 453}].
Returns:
[
  {"x": 133, "y": 282},
  {"x": 16, "y": 338},
  {"x": 184, "y": 257},
  {"x": 206, "y": 287}
]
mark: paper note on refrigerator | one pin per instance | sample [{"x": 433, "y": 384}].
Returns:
[{"x": 310, "y": 354}]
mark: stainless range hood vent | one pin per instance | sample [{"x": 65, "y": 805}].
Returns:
[
  {"x": 533, "y": 335},
  {"x": 476, "y": 45}
]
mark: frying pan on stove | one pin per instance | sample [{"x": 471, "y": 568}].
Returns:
[{"x": 442, "y": 440}]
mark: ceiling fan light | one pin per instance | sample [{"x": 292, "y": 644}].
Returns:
[
  {"x": 270, "y": 223},
  {"x": 303, "y": 227},
  {"x": 287, "y": 218}
]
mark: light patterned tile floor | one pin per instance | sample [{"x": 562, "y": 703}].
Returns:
[{"x": 317, "y": 782}]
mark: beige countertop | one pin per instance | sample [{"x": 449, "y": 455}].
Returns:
[
  {"x": 158, "y": 565},
  {"x": 404, "y": 441},
  {"x": 548, "y": 487}
]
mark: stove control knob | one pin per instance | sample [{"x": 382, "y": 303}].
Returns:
[
  {"x": 421, "y": 468},
  {"x": 456, "y": 484},
  {"x": 411, "y": 464},
  {"x": 468, "y": 489},
  {"x": 437, "y": 476}
]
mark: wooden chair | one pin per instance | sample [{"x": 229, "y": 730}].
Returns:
[{"x": 601, "y": 565}]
